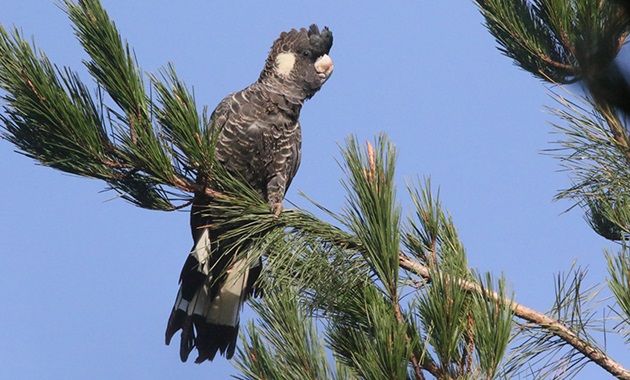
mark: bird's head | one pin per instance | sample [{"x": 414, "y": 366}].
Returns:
[{"x": 298, "y": 64}]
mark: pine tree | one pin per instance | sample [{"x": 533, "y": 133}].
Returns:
[{"x": 374, "y": 295}]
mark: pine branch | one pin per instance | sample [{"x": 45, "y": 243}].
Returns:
[
  {"x": 521, "y": 311},
  {"x": 114, "y": 66},
  {"x": 51, "y": 116},
  {"x": 55, "y": 106},
  {"x": 588, "y": 350},
  {"x": 558, "y": 41},
  {"x": 563, "y": 42},
  {"x": 320, "y": 259},
  {"x": 524, "y": 37}
]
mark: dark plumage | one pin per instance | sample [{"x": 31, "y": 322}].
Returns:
[{"x": 259, "y": 139}]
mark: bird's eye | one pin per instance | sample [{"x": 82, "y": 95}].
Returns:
[{"x": 306, "y": 53}]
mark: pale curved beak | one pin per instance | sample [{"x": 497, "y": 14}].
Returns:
[{"x": 324, "y": 67}]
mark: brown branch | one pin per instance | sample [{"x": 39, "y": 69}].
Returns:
[
  {"x": 612, "y": 119},
  {"x": 182, "y": 206},
  {"x": 560, "y": 66},
  {"x": 114, "y": 164},
  {"x": 558, "y": 329},
  {"x": 428, "y": 364}
]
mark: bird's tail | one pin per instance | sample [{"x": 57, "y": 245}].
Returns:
[{"x": 207, "y": 308}]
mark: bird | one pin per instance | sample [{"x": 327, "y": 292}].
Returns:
[{"x": 258, "y": 139}]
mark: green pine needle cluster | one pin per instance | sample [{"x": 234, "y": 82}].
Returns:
[
  {"x": 378, "y": 322},
  {"x": 562, "y": 41},
  {"x": 148, "y": 151},
  {"x": 285, "y": 344},
  {"x": 597, "y": 162},
  {"x": 371, "y": 211}
]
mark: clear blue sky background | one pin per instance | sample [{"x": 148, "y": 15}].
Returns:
[{"x": 86, "y": 285}]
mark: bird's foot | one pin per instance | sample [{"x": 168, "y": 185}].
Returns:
[{"x": 276, "y": 209}]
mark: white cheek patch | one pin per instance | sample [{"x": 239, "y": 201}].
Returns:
[{"x": 285, "y": 63}]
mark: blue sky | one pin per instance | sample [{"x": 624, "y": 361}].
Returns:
[{"x": 87, "y": 284}]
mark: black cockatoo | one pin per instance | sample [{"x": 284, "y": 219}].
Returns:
[{"x": 259, "y": 140}]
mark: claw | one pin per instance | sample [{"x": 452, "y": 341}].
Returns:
[{"x": 276, "y": 209}]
